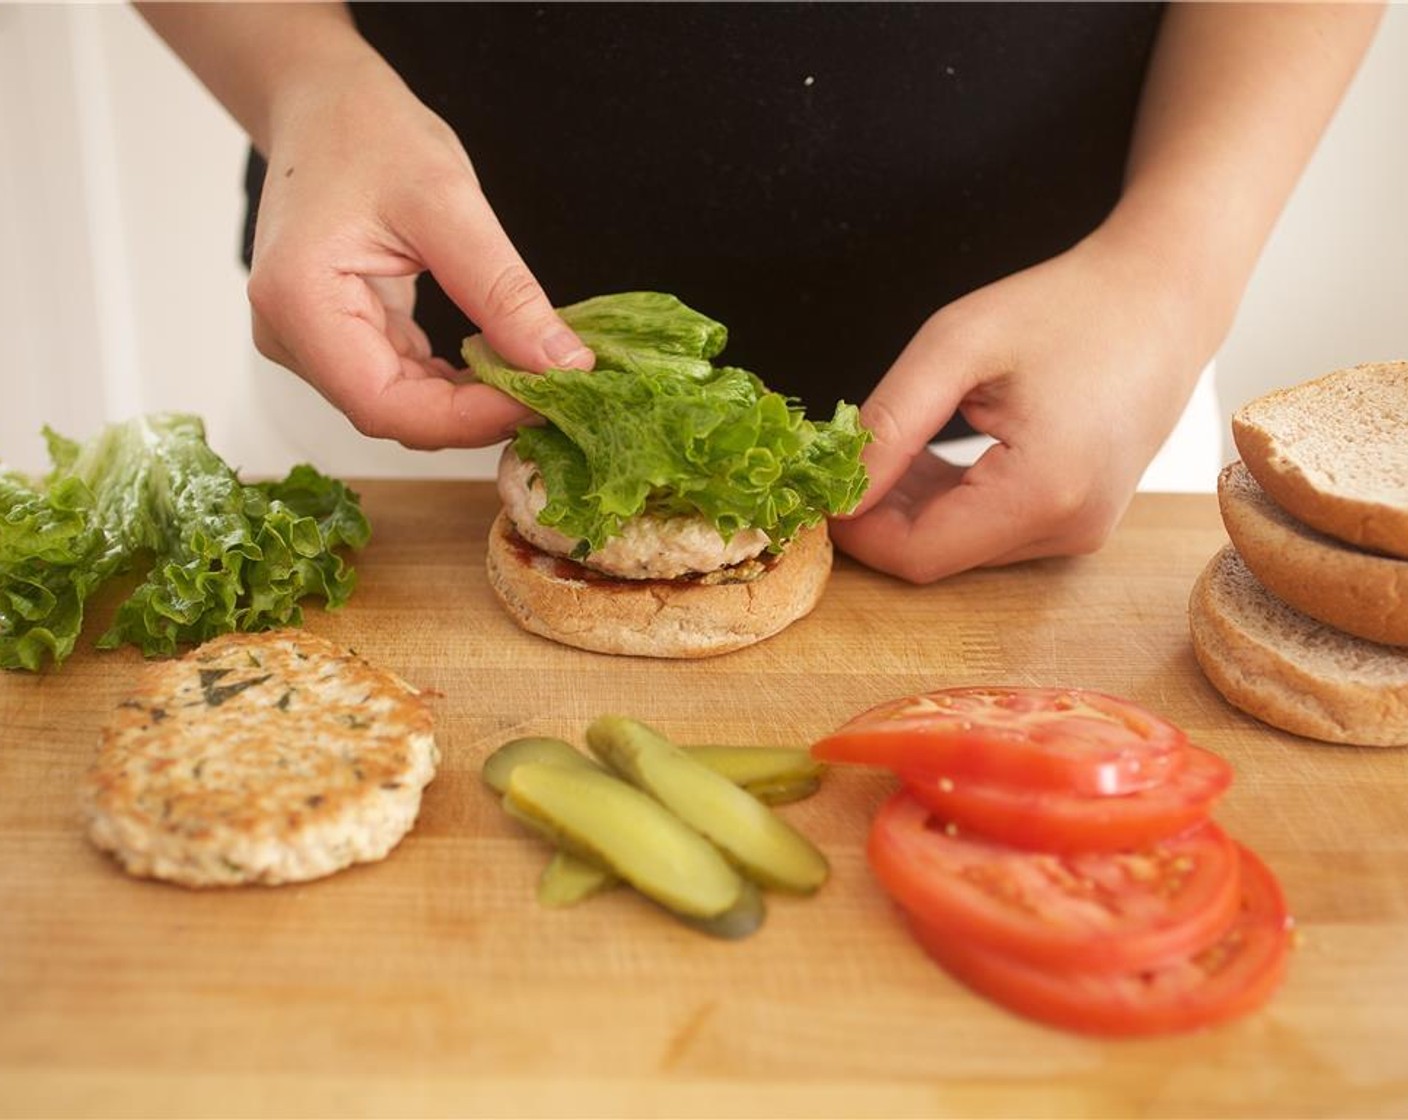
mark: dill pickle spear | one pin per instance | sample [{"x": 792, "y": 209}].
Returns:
[
  {"x": 596, "y": 815},
  {"x": 743, "y": 918},
  {"x": 783, "y": 791},
  {"x": 768, "y": 850},
  {"x": 771, "y": 774},
  {"x": 530, "y": 748},
  {"x": 567, "y": 879}
]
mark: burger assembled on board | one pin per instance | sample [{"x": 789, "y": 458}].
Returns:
[{"x": 668, "y": 507}]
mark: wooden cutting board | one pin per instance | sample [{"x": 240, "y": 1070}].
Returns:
[{"x": 432, "y": 984}]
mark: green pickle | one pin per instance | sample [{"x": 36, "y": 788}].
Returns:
[
  {"x": 610, "y": 825},
  {"x": 772, "y": 774},
  {"x": 762, "y": 844},
  {"x": 531, "y": 748},
  {"x": 598, "y": 817},
  {"x": 568, "y": 879},
  {"x": 783, "y": 791},
  {"x": 743, "y": 918}
]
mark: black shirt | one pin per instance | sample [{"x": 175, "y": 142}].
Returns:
[{"x": 819, "y": 177}]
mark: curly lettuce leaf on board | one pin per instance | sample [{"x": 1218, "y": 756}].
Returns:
[{"x": 150, "y": 494}]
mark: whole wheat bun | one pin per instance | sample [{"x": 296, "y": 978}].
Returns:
[
  {"x": 558, "y": 599},
  {"x": 1291, "y": 671},
  {"x": 1362, "y": 593},
  {"x": 1332, "y": 453}
]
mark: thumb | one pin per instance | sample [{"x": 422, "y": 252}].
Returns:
[
  {"x": 474, "y": 261},
  {"x": 914, "y": 399}
]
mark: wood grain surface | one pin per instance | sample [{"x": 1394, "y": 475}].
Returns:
[{"x": 432, "y": 984}]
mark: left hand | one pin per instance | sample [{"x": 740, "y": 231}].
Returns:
[{"x": 1079, "y": 366}]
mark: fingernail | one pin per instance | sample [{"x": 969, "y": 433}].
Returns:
[{"x": 565, "y": 350}]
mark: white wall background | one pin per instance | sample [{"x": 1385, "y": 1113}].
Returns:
[{"x": 120, "y": 288}]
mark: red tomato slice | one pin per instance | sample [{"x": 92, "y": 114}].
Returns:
[
  {"x": 1099, "y": 911},
  {"x": 1058, "y": 821},
  {"x": 1072, "y": 740},
  {"x": 1233, "y": 976}
]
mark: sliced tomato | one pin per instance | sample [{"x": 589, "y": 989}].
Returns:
[
  {"x": 1060, "y": 821},
  {"x": 1105, "y": 911},
  {"x": 1233, "y": 976},
  {"x": 1073, "y": 740}
]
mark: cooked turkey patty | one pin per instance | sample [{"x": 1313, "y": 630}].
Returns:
[
  {"x": 648, "y": 547},
  {"x": 259, "y": 758}
]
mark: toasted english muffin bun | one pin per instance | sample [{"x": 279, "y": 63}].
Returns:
[
  {"x": 694, "y": 617},
  {"x": 1362, "y": 593},
  {"x": 1291, "y": 671},
  {"x": 259, "y": 758},
  {"x": 1333, "y": 453}
]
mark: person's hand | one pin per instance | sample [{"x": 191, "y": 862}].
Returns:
[
  {"x": 1079, "y": 367},
  {"x": 366, "y": 188}
]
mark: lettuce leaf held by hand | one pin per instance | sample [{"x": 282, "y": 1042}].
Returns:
[
  {"x": 150, "y": 494},
  {"x": 657, "y": 427}
]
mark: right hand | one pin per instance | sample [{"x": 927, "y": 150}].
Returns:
[
  {"x": 1078, "y": 366},
  {"x": 366, "y": 189}
]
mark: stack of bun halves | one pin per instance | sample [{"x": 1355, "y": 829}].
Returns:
[{"x": 1302, "y": 621}]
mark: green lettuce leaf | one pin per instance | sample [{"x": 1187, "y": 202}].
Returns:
[
  {"x": 657, "y": 427},
  {"x": 150, "y": 494}
]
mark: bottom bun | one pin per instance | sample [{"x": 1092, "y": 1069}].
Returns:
[
  {"x": 559, "y": 599},
  {"x": 1290, "y": 671}
]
